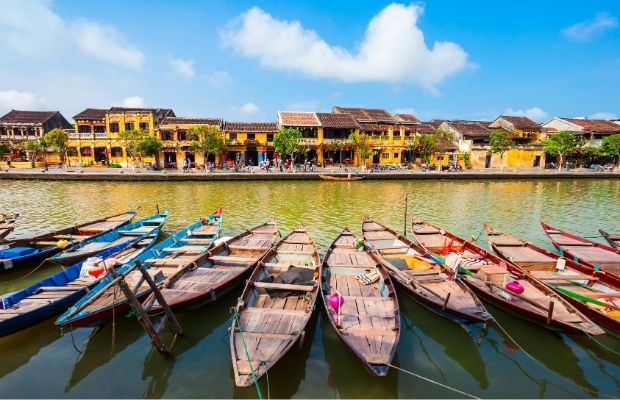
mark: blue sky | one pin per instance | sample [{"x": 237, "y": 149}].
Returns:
[{"x": 246, "y": 60}]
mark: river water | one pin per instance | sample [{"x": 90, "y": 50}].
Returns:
[{"x": 117, "y": 361}]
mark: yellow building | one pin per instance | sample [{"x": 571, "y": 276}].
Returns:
[
  {"x": 524, "y": 130},
  {"x": 96, "y": 140},
  {"x": 174, "y": 134},
  {"x": 251, "y": 142}
]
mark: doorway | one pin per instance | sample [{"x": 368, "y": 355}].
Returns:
[{"x": 487, "y": 161}]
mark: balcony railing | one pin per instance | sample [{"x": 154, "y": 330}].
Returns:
[
  {"x": 101, "y": 135},
  {"x": 307, "y": 141}
]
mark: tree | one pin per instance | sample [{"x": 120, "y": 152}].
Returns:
[
  {"x": 207, "y": 139},
  {"x": 611, "y": 147},
  {"x": 34, "y": 147},
  {"x": 442, "y": 141},
  {"x": 57, "y": 139},
  {"x": 286, "y": 141},
  {"x": 4, "y": 149},
  {"x": 424, "y": 146},
  {"x": 149, "y": 146},
  {"x": 132, "y": 139},
  {"x": 561, "y": 144},
  {"x": 499, "y": 143},
  {"x": 361, "y": 146}
]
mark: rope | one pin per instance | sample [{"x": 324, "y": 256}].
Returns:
[
  {"x": 432, "y": 381},
  {"x": 475, "y": 239},
  {"x": 595, "y": 340},
  {"x": 593, "y": 392},
  {"x": 29, "y": 273},
  {"x": 263, "y": 362},
  {"x": 73, "y": 342},
  {"x": 247, "y": 355}
]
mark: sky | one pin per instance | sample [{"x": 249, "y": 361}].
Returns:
[{"x": 244, "y": 61}]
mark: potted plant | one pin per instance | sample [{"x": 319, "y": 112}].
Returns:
[{"x": 359, "y": 245}]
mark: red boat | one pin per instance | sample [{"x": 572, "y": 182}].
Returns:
[{"x": 593, "y": 254}]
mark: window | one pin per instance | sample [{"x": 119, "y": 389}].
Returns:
[
  {"x": 182, "y": 135},
  {"x": 83, "y": 129},
  {"x": 99, "y": 129},
  {"x": 232, "y": 136},
  {"x": 71, "y": 151},
  {"x": 396, "y": 132},
  {"x": 114, "y": 127},
  {"x": 144, "y": 126},
  {"x": 86, "y": 151},
  {"x": 129, "y": 126},
  {"x": 251, "y": 136},
  {"x": 116, "y": 151},
  {"x": 166, "y": 135},
  {"x": 396, "y": 156},
  {"x": 270, "y": 137},
  {"x": 385, "y": 156}
]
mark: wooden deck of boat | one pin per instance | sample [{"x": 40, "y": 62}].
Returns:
[
  {"x": 431, "y": 238},
  {"x": 269, "y": 326},
  {"x": 368, "y": 321}
]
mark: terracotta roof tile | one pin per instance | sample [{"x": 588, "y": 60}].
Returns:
[
  {"x": 337, "y": 121},
  {"x": 298, "y": 118},
  {"x": 407, "y": 118},
  {"x": 595, "y": 125},
  {"x": 250, "y": 126},
  {"x": 425, "y": 127},
  {"x": 191, "y": 121},
  {"x": 521, "y": 122},
  {"x": 365, "y": 114},
  {"x": 92, "y": 114},
  {"x": 27, "y": 117},
  {"x": 472, "y": 128}
]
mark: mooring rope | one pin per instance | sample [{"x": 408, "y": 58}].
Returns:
[
  {"x": 432, "y": 381},
  {"x": 31, "y": 272},
  {"x": 593, "y": 392},
  {"x": 595, "y": 340},
  {"x": 247, "y": 355},
  {"x": 73, "y": 342}
]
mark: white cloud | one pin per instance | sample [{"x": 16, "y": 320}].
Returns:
[
  {"x": 13, "y": 99},
  {"x": 182, "y": 67},
  {"x": 32, "y": 29},
  {"x": 603, "y": 115},
  {"x": 408, "y": 110},
  {"x": 133, "y": 101},
  {"x": 588, "y": 29},
  {"x": 217, "y": 78},
  {"x": 392, "y": 50},
  {"x": 105, "y": 43},
  {"x": 535, "y": 113},
  {"x": 250, "y": 108}
]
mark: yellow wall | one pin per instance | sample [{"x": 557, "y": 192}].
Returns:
[{"x": 513, "y": 158}]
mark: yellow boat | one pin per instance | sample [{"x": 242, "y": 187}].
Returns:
[{"x": 341, "y": 178}]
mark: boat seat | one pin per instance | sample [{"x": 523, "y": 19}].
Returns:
[{"x": 284, "y": 286}]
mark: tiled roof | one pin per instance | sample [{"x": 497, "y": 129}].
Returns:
[
  {"x": 92, "y": 114},
  {"x": 164, "y": 111},
  {"x": 472, "y": 128},
  {"x": 298, "y": 118},
  {"x": 407, "y": 118},
  {"x": 425, "y": 127},
  {"x": 436, "y": 122},
  {"x": 337, "y": 121},
  {"x": 595, "y": 125},
  {"x": 191, "y": 121},
  {"x": 251, "y": 126},
  {"x": 371, "y": 127},
  {"x": 521, "y": 122},
  {"x": 27, "y": 117},
  {"x": 366, "y": 114}
]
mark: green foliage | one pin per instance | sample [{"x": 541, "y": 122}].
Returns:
[
  {"x": 57, "y": 139},
  {"x": 611, "y": 147},
  {"x": 115, "y": 165},
  {"x": 561, "y": 144},
  {"x": 467, "y": 159},
  {"x": 286, "y": 141},
  {"x": 149, "y": 146},
  {"x": 425, "y": 147},
  {"x": 361, "y": 145},
  {"x": 442, "y": 141},
  {"x": 500, "y": 142},
  {"x": 207, "y": 139},
  {"x": 4, "y": 149},
  {"x": 132, "y": 140}
]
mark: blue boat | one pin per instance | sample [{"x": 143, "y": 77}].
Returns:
[
  {"x": 55, "y": 293},
  {"x": 100, "y": 304},
  {"x": 91, "y": 246},
  {"x": 30, "y": 252}
]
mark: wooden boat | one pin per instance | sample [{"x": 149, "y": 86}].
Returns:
[
  {"x": 215, "y": 273},
  {"x": 422, "y": 277},
  {"x": 489, "y": 276},
  {"x": 31, "y": 251},
  {"x": 7, "y": 224},
  {"x": 594, "y": 293},
  {"x": 96, "y": 244},
  {"x": 368, "y": 321},
  {"x": 593, "y": 254},
  {"x": 275, "y": 306},
  {"x": 612, "y": 238},
  {"x": 341, "y": 178},
  {"x": 106, "y": 300},
  {"x": 55, "y": 293}
]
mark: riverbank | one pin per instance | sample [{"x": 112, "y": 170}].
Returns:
[{"x": 113, "y": 174}]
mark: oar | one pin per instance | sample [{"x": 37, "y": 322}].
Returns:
[{"x": 583, "y": 297}]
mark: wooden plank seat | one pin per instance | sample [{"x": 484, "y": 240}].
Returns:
[
  {"x": 72, "y": 237},
  {"x": 196, "y": 241},
  {"x": 56, "y": 289},
  {"x": 170, "y": 261},
  {"x": 185, "y": 249},
  {"x": 232, "y": 258},
  {"x": 292, "y": 252},
  {"x": 260, "y": 310},
  {"x": 568, "y": 241},
  {"x": 284, "y": 286},
  {"x": 251, "y": 248}
]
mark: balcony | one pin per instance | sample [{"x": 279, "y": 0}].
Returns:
[
  {"x": 101, "y": 135},
  {"x": 74, "y": 135},
  {"x": 307, "y": 141}
]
